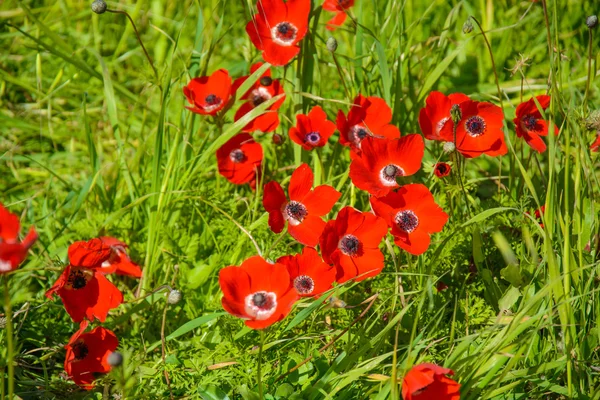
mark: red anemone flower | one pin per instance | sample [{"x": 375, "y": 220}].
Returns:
[
  {"x": 119, "y": 261},
  {"x": 381, "y": 161},
  {"x": 13, "y": 252},
  {"x": 351, "y": 242},
  {"x": 412, "y": 214},
  {"x": 435, "y": 119},
  {"x": 442, "y": 169},
  {"x": 530, "y": 124},
  {"x": 209, "y": 94},
  {"x": 429, "y": 381},
  {"x": 305, "y": 208},
  {"x": 264, "y": 89},
  {"x": 310, "y": 276},
  {"x": 339, "y": 7},
  {"x": 239, "y": 159},
  {"x": 106, "y": 254},
  {"x": 480, "y": 130},
  {"x": 595, "y": 147},
  {"x": 369, "y": 116},
  {"x": 278, "y": 28},
  {"x": 257, "y": 291},
  {"x": 87, "y": 355},
  {"x": 539, "y": 215},
  {"x": 312, "y": 130}
]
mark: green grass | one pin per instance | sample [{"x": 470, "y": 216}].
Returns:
[{"x": 93, "y": 143}]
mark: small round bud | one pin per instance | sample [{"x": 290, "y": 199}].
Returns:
[
  {"x": 266, "y": 81},
  {"x": 591, "y": 21},
  {"x": 99, "y": 6},
  {"x": 467, "y": 26},
  {"x": 278, "y": 139},
  {"x": 449, "y": 147},
  {"x": 456, "y": 113},
  {"x": 115, "y": 359},
  {"x": 174, "y": 296},
  {"x": 331, "y": 44}
]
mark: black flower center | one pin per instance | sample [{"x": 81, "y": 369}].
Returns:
[
  {"x": 304, "y": 284},
  {"x": 406, "y": 221},
  {"x": 237, "y": 156},
  {"x": 442, "y": 168},
  {"x": 266, "y": 81},
  {"x": 390, "y": 172},
  {"x": 80, "y": 349},
  {"x": 77, "y": 279},
  {"x": 295, "y": 210},
  {"x": 313, "y": 137},
  {"x": 212, "y": 100},
  {"x": 262, "y": 301},
  {"x": 475, "y": 126},
  {"x": 349, "y": 245},
  {"x": 530, "y": 122},
  {"x": 284, "y": 33}
]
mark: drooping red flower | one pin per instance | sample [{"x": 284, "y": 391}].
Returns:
[
  {"x": 351, "y": 243},
  {"x": 240, "y": 159},
  {"x": 595, "y": 147},
  {"x": 480, "y": 130},
  {"x": 539, "y": 215},
  {"x": 312, "y": 130},
  {"x": 304, "y": 210},
  {"x": 119, "y": 261},
  {"x": 442, "y": 169},
  {"x": 412, "y": 214},
  {"x": 381, "y": 161},
  {"x": 106, "y": 254},
  {"x": 428, "y": 382},
  {"x": 310, "y": 276},
  {"x": 530, "y": 124},
  {"x": 278, "y": 27},
  {"x": 87, "y": 355},
  {"x": 264, "y": 89},
  {"x": 209, "y": 94},
  {"x": 435, "y": 120},
  {"x": 369, "y": 116},
  {"x": 339, "y": 7},
  {"x": 13, "y": 252},
  {"x": 86, "y": 293},
  {"x": 257, "y": 291}
]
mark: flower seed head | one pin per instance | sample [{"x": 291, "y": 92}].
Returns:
[
  {"x": 591, "y": 21},
  {"x": 592, "y": 122},
  {"x": 99, "y": 6},
  {"x": 332, "y": 44},
  {"x": 456, "y": 113},
  {"x": 449, "y": 147},
  {"x": 115, "y": 359},
  {"x": 174, "y": 296},
  {"x": 467, "y": 26}
]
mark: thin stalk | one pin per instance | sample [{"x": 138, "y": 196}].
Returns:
[
  {"x": 489, "y": 47},
  {"x": 342, "y": 78},
  {"x": 589, "y": 76},
  {"x": 259, "y": 369},
  {"x": 9, "y": 340}
]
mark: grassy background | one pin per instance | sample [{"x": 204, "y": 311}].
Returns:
[{"x": 93, "y": 143}]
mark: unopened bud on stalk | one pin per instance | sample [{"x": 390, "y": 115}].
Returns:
[
  {"x": 449, "y": 147},
  {"x": 266, "y": 81},
  {"x": 467, "y": 26},
  {"x": 591, "y": 21},
  {"x": 115, "y": 359},
  {"x": 332, "y": 44},
  {"x": 278, "y": 139},
  {"x": 99, "y": 6},
  {"x": 456, "y": 114},
  {"x": 174, "y": 296}
]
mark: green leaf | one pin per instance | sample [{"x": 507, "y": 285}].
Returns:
[
  {"x": 302, "y": 315},
  {"x": 510, "y": 298},
  {"x": 211, "y": 392},
  {"x": 512, "y": 274},
  {"x": 187, "y": 327}
]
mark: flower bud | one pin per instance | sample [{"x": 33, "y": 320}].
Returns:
[
  {"x": 456, "y": 113},
  {"x": 449, "y": 147},
  {"x": 174, "y": 296},
  {"x": 467, "y": 26},
  {"x": 332, "y": 44},
  {"x": 115, "y": 359},
  {"x": 591, "y": 21},
  {"x": 278, "y": 139},
  {"x": 99, "y": 6},
  {"x": 266, "y": 81}
]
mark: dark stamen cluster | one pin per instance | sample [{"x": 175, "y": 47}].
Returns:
[
  {"x": 530, "y": 122},
  {"x": 390, "y": 172},
  {"x": 313, "y": 137},
  {"x": 77, "y": 279},
  {"x": 212, "y": 100},
  {"x": 406, "y": 221},
  {"x": 262, "y": 301},
  {"x": 475, "y": 126},
  {"x": 80, "y": 349},
  {"x": 304, "y": 284},
  {"x": 296, "y": 210},
  {"x": 349, "y": 245},
  {"x": 237, "y": 156}
]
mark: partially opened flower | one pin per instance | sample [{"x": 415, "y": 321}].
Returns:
[
  {"x": 310, "y": 275},
  {"x": 262, "y": 90},
  {"x": 413, "y": 215},
  {"x": 12, "y": 251},
  {"x": 368, "y": 116},
  {"x": 87, "y": 355},
  {"x": 351, "y": 243},
  {"x": 530, "y": 124},
  {"x": 209, "y": 94},
  {"x": 86, "y": 293},
  {"x": 119, "y": 261},
  {"x": 480, "y": 130},
  {"x": 305, "y": 208},
  {"x": 339, "y": 7},
  {"x": 381, "y": 161},
  {"x": 429, "y": 382},
  {"x": 106, "y": 254},
  {"x": 259, "y": 292},
  {"x": 312, "y": 130},
  {"x": 278, "y": 27},
  {"x": 435, "y": 119},
  {"x": 239, "y": 159},
  {"x": 442, "y": 169}
]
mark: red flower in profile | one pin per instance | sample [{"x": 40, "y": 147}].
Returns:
[
  {"x": 435, "y": 120},
  {"x": 383, "y": 160},
  {"x": 530, "y": 124},
  {"x": 239, "y": 160},
  {"x": 312, "y": 130},
  {"x": 87, "y": 355},
  {"x": 339, "y": 7},
  {"x": 310, "y": 276},
  {"x": 595, "y": 147},
  {"x": 480, "y": 130},
  {"x": 369, "y": 116},
  {"x": 119, "y": 261},
  {"x": 264, "y": 89},
  {"x": 209, "y": 94},
  {"x": 539, "y": 215},
  {"x": 13, "y": 252},
  {"x": 278, "y": 28},
  {"x": 107, "y": 255},
  {"x": 351, "y": 242},
  {"x": 86, "y": 293},
  {"x": 442, "y": 169},
  {"x": 412, "y": 214},
  {"x": 305, "y": 208},
  {"x": 429, "y": 381},
  {"x": 257, "y": 291}
]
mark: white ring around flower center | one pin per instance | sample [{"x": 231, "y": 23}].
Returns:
[{"x": 260, "y": 312}]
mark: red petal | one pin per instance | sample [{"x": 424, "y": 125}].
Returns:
[
  {"x": 321, "y": 200},
  {"x": 308, "y": 231},
  {"x": 300, "y": 183}
]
